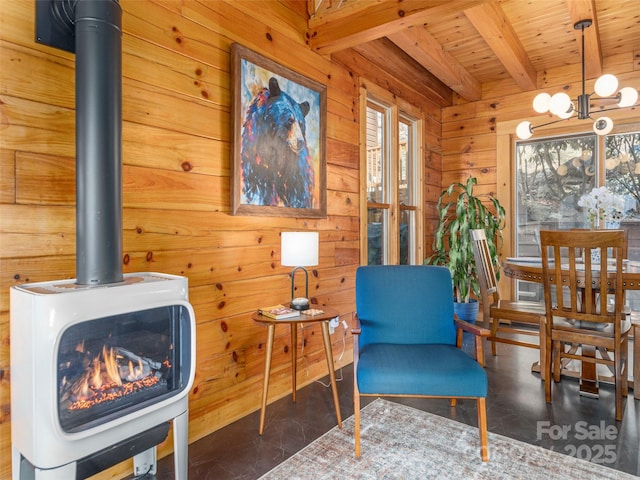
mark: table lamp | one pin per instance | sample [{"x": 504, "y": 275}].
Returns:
[{"x": 299, "y": 250}]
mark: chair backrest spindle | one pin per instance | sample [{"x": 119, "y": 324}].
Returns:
[{"x": 485, "y": 270}]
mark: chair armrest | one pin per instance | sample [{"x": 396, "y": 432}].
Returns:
[
  {"x": 355, "y": 334},
  {"x": 478, "y": 333},
  {"x": 468, "y": 327},
  {"x": 358, "y": 328}
]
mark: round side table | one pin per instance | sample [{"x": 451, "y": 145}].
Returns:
[{"x": 322, "y": 318}]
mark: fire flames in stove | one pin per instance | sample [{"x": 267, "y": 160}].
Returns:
[{"x": 114, "y": 373}]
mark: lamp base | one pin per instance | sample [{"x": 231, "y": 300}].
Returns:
[{"x": 300, "y": 303}]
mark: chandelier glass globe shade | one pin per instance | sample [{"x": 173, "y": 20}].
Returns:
[
  {"x": 560, "y": 103},
  {"x": 606, "y": 85},
  {"x": 628, "y": 97},
  {"x": 542, "y": 102}
]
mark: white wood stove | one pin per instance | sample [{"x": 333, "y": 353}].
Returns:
[{"x": 98, "y": 372}]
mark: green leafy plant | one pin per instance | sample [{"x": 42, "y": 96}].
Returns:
[{"x": 459, "y": 211}]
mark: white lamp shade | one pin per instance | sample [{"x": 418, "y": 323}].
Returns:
[
  {"x": 542, "y": 102},
  {"x": 299, "y": 249},
  {"x": 603, "y": 125},
  {"x": 628, "y": 97},
  {"x": 606, "y": 85},
  {"x": 560, "y": 104},
  {"x": 524, "y": 130}
]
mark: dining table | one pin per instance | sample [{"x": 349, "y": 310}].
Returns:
[{"x": 529, "y": 269}]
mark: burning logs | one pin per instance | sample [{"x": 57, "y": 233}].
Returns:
[{"x": 116, "y": 372}]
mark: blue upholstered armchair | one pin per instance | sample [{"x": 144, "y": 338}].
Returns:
[{"x": 406, "y": 341}]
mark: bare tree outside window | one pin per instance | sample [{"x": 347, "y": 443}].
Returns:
[
  {"x": 622, "y": 167},
  {"x": 551, "y": 176}
]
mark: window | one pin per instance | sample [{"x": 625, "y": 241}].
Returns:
[
  {"x": 552, "y": 174},
  {"x": 406, "y": 193},
  {"x": 392, "y": 174}
]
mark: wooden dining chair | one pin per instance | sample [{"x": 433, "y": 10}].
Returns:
[
  {"x": 580, "y": 322},
  {"x": 505, "y": 317}
]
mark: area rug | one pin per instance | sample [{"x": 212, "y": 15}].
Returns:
[{"x": 400, "y": 442}]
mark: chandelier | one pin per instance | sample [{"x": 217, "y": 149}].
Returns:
[{"x": 563, "y": 107}]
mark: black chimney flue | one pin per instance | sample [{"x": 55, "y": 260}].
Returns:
[
  {"x": 93, "y": 30},
  {"x": 98, "y": 142}
]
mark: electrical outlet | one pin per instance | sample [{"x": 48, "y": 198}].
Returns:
[{"x": 333, "y": 324}]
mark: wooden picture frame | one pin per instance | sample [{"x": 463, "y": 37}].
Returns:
[{"x": 278, "y": 163}]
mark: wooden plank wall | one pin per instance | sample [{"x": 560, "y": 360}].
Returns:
[{"x": 176, "y": 155}]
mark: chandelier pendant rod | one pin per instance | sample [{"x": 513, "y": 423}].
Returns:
[{"x": 583, "y": 100}]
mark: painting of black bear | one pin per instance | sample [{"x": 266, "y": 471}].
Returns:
[
  {"x": 279, "y": 134},
  {"x": 277, "y": 168}
]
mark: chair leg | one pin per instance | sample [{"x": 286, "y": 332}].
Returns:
[
  {"x": 619, "y": 371},
  {"x": 482, "y": 426},
  {"x": 548, "y": 362},
  {"x": 356, "y": 416},
  {"x": 494, "y": 332},
  {"x": 618, "y": 389},
  {"x": 557, "y": 360},
  {"x": 625, "y": 363},
  {"x": 543, "y": 346}
]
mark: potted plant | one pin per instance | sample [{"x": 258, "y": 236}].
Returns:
[{"x": 459, "y": 211}]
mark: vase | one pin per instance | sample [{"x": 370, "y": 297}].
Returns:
[
  {"x": 467, "y": 311},
  {"x": 608, "y": 225},
  {"x": 612, "y": 224}
]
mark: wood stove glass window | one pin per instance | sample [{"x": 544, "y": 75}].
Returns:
[{"x": 111, "y": 366}]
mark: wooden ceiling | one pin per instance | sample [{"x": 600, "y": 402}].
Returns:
[{"x": 467, "y": 43}]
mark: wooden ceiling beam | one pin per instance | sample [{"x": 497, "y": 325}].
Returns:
[
  {"x": 585, "y": 10},
  {"x": 424, "y": 49},
  {"x": 493, "y": 26},
  {"x": 385, "y": 55},
  {"x": 380, "y": 20},
  {"x": 332, "y": 10}
]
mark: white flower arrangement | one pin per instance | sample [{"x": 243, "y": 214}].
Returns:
[{"x": 602, "y": 205}]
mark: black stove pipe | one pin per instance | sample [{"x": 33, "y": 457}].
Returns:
[
  {"x": 92, "y": 29},
  {"x": 98, "y": 46}
]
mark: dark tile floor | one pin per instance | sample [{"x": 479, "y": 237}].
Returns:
[{"x": 516, "y": 409}]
